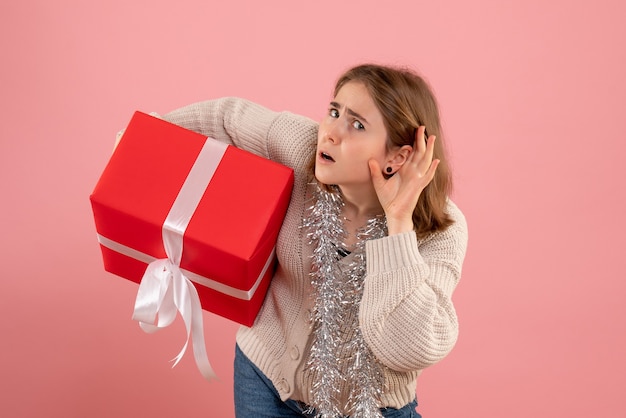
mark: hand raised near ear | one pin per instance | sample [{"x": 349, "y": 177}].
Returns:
[{"x": 398, "y": 195}]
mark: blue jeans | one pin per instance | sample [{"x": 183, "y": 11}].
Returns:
[{"x": 256, "y": 396}]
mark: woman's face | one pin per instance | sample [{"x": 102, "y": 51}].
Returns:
[{"x": 351, "y": 133}]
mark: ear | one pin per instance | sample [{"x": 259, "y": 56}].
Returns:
[{"x": 398, "y": 157}]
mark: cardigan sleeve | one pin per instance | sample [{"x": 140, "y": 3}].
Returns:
[
  {"x": 280, "y": 136},
  {"x": 406, "y": 315}
]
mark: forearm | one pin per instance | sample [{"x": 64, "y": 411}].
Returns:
[{"x": 231, "y": 120}]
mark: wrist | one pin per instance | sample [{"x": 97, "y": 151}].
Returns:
[{"x": 399, "y": 226}]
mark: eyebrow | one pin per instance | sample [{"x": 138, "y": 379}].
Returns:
[{"x": 350, "y": 112}]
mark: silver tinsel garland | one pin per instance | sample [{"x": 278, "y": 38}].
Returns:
[{"x": 339, "y": 354}]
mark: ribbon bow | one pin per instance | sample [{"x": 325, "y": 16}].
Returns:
[{"x": 164, "y": 289}]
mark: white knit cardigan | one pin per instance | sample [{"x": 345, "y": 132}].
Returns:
[{"x": 406, "y": 314}]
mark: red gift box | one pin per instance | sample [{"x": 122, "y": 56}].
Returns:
[{"x": 228, "y": 242}]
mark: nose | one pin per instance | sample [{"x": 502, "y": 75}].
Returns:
[{"x": 335, "y": 130}]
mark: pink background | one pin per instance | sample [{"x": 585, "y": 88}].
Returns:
[{"x": 533, "y": 98}]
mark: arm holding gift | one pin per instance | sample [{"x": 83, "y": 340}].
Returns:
[
  {"x": 231, "y": 120},
  {"x": 251, "y": 127}
]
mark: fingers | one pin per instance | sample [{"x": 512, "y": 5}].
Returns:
[
  {"x": 375, "y": 171},
  {"x": 430, "y": 174},
  {"x": 422, "y": 158},
  {"x": 423, "y": 145},
  {"x": 418, "y": 162},
  {"x": 421, "y": 141}
]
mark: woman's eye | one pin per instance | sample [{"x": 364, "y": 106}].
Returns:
[
  {"x": 358, "y": 125},
  {"x": 334, "y": 113}
]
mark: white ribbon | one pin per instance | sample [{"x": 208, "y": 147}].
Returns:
[
  {"x": 196, "y": 278},
  {"x": 164, "y": 289}
]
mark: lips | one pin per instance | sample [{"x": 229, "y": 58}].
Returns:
[{"x": 326, "y": 157}]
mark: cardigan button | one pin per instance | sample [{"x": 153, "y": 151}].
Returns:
[
  {"x": 294, "y": 353},
  {"x": 283, "y": 386}
]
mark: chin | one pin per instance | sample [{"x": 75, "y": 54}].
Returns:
[
  {"x": 325, "y": 178},
  {"x": 319, "y": 176}
]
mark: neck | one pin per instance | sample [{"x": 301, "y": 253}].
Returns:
[{"x": 360, "y": 203}]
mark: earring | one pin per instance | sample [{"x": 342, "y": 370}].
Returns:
[{"x": 389, "y": 169}]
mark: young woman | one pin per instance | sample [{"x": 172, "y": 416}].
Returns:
[{"x": 369, "y": 253}]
